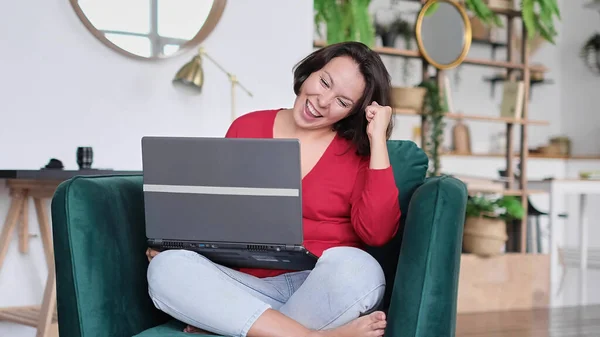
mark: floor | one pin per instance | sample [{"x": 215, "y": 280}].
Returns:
[
  {"x": 560, "y": 322},
  {"x": 563, "y": 322}
]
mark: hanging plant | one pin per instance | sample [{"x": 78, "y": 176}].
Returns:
[
  {"x": 434, "y": 110},
  {"x": 345, "y": 20}
]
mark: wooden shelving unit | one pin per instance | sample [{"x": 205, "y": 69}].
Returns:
[
  {"x": 449, "y": 115},
  {"x": 520, "y": 69}
]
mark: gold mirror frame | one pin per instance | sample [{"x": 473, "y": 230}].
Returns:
[
  {"x": 209, "y": 25},
  {"x": 467, "y": 36}
]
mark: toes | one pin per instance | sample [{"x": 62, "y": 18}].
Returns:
[
  {"x": 191, "y": 329},
  {"x": 377, "y": 316},
  {"x": 379, "y": 325},
  {"x": 376, "y": 333}
]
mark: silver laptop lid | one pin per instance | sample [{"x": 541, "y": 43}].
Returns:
[{"x": 223, "y": 189}]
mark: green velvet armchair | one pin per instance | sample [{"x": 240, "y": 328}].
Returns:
[{"x": 99, "y": 242}]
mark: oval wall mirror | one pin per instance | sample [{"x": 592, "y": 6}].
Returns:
[
  {"x": 443, "y": 33},
  {"x": 149, "y": 29}
]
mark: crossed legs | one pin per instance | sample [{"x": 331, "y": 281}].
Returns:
[{"x": 346, "y": 283}]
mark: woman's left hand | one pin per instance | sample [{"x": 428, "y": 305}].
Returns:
[{"x": 379, "y": 118}]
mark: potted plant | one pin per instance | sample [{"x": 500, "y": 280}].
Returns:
[
  {"x": 345, "y": 20},
  {"x": 485, "y": 225},
  {"x": 389, "y": 25}
]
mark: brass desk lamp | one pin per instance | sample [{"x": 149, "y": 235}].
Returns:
[{"x": 191, "y": 76}]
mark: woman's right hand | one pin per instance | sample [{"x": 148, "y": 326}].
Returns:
[{"x": 151, "y": 253}]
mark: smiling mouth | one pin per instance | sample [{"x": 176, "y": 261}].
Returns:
[{"x": 312, "y": 111}]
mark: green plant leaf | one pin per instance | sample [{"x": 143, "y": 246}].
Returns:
[
  {"x": 345, "y": 20},
  {"x": 483, "y": 12},
  {"x": 432, "y": 9},
  {"x": 506, "y": 208},
  {"x": 542, "y": 22},
  {"x": 434, "y": 110}
]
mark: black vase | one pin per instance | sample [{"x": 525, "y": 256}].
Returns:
[
  {"x": 85, "y": 157},
  {"x": 388, "y": 39}
]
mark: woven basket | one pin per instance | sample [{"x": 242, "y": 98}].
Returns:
[
  {"x": 411, "y": 98},
  {"x": 484, "y": 236}
]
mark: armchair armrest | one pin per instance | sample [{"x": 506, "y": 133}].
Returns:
[
  {"x": 99, "y": 242},
  {"x": 424, "y": 296}
]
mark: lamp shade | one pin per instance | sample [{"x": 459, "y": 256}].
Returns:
[{"x": 190, "y": 76}]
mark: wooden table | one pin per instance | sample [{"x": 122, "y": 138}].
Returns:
[
  {"x": 558, "y": 189},
  {"x": 38, "y": 185}
]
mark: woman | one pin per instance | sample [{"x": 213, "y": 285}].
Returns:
[{"x": 342, "y": 120}]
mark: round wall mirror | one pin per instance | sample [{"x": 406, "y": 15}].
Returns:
[
  {"x": 149, "y": 29},
  {"x": 443, "y": 33}
]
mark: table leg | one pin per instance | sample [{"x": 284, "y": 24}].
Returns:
[
  {"x": 14, "y": 211},
  {"x": 583, "y": 250},
  {"x": 24, "y": 226},
  {"x": 42, "y": 216},
  {"x": 555, "y": 234},
  {"x": 39, "y": 317},
  {"x": 48, "y": 308}
]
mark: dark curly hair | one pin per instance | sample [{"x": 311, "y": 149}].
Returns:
[{"x": 377, "y": 87}]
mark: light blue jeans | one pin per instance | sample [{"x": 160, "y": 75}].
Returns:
[{"x": 345, "y": 284}]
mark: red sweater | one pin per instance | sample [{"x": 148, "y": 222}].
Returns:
[{"x": 344, "y": 202}]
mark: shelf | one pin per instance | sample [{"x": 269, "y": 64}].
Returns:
[
  {"x": 495, "y": 79},
  {"x": 407, "y": 112},
  {"x": 503, "y": 11},
  {"x": 508, "y": 12},
  {"x": 494, "y": 44},
  {"x": 529, "y": 156},
  {"x": 473, "y": 61},
  {"x": 511, "y": 193}
]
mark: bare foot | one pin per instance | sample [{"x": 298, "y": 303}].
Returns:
[
  {"x": 372, "y": 325},
  {"x": 193, "y": 329}
]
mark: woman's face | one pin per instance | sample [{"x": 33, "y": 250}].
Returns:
[{"x": 329, "y": 94}]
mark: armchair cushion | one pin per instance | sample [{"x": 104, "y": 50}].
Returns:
[{"x": 173, "y": 328}]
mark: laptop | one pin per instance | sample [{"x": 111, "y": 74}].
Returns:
[{"x": 236, "y": 201}]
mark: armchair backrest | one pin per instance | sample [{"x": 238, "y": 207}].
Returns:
[{"x": 409, "y": 164}]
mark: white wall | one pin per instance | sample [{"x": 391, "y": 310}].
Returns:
[
  {"x": 58, "y": 82},
  {"x": 579, "y": 106},
  {"x": 61, "y": 88}
]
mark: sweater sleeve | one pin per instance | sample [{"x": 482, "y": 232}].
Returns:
[{"x": 375, "y": 213}]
